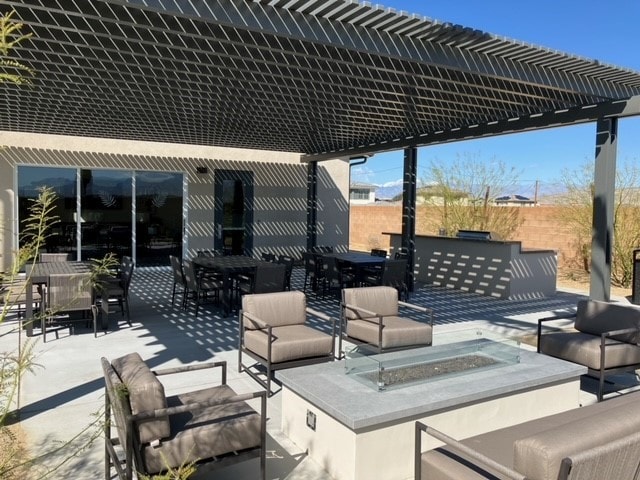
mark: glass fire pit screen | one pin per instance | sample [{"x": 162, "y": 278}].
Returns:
[{"x": 453, "y": 354}]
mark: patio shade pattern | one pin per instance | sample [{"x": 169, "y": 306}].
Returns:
[{"x": 318, "y": 77}]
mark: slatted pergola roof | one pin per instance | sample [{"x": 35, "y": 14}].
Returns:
[{"x": 324, "y": 78}]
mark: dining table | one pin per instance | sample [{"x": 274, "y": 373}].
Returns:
[
  {"x": 230, "y": 266},
  {"x": 358, "y": 261},
  {"x": 38, "y": 274}
]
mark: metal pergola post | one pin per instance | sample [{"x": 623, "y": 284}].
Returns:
[
  {"x": 409, "y": 210},
  {"x": 604, "y": 182},
  {"x": 312, "y": 204}
]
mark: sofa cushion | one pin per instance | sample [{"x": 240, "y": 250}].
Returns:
[
  {"x": 584, "y": 349},
  {"x": 291, "y": 342},
  {"x": 146, "y": 393},
  {"x": 381, "y": 300},
  {"x": 442, "y": 463},
  {"x": 276, "y": 309},
  {"x": 205, "y": 433},
  {"x": 539, "y": 456},
  {"x": 595, "y": 317},
  {"x": 396, "y": 332}
]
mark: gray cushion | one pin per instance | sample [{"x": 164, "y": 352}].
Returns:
[
  {"x": 381, "y": 300},
  {"x": 205, "y": 433},
  {"x": 597, "y": 317},
  {"x": 442, "y": 463},
  {"x": 276, "y": 309},
  {"x": 146, "y": 393},
  {"x": 539, "y": 456},
  {"x": 584, "y": 349},
  {"x": 291, "y": 342},
  {"x": 396, "y": 332}
]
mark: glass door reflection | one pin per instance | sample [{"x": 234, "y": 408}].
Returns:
[
  {"x": 234, "y": 212},
  {"x": 106, "y": 199},
  {"x": 159, "y": 218}
]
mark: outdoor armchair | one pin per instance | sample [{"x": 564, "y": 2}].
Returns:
[
  {"x": 371, "y": 315},
  {"x": 604, "y": 339},
  {"x": 212, "y": 427},
  {"x": 274, "y": 333}
]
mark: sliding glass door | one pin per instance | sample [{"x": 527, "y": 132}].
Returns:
[{"x": 118, "y": 211}]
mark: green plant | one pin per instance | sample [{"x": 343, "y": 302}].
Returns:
[
  {"x": 577, "y": 216},
  {"x": 465, "y": 190},
  {"x": 10, "y": 36}
]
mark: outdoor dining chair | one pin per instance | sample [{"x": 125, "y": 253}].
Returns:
[
  {"x": 198, "y": 287},
  {"x": 264, "y": 279},
  {"x": 335, "y": 278},
  {"x": 54, "y": 257},
  {"x": 116, "y": 289},
  {"x": 393, "y": 273},
  {"x": 68, "y": 293},
  {"x": 179, "y": 282},
  {"x": 288, "y": 262}
]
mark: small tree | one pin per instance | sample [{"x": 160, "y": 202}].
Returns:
[
  {"x": 577, "y": 216},
  {"x": 465, "y": 190}
]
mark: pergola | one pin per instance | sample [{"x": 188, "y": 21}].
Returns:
[{"x": 324, "y": 78}]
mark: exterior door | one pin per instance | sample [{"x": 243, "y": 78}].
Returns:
[{"x": 233, "y": 212}]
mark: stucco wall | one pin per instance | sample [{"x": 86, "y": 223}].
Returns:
[
  {"x": 540, "y": 229},
  {"x": 280, "y": 185}
]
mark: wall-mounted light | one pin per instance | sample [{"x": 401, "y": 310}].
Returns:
[{"x": 202, "y": 170}]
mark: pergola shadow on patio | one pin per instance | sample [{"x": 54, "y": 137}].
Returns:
[{"x": 62, "y": 397}]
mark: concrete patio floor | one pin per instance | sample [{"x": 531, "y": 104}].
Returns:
[{"x": 65, "y": 393}]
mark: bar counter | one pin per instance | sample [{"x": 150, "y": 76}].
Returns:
[{"x": 494, "y": 268}]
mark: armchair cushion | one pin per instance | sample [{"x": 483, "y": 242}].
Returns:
[
  {"x": 276, "y": 309},
  {"x": 381, "y": 300},
  {"x": 596, "y": 318},
  {"x": 145, "y": 393},
  {"x": 584, "y": 349},
  {"x": 291, "y": 342},
  {"x": 205, "y": 433},
  {"x": 397, "y": 331}
]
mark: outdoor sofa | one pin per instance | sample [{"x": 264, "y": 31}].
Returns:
[
  {"x": 604, "y": 339},
  {"x": 596, "y": 442},
  {"x": 212, "y": 427}
]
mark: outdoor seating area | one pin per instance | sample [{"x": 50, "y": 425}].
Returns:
[
  {"x": 167, "y": 336},
  {"x": 211, "y": 150}
]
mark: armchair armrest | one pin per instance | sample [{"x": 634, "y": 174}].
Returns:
[
  {"x": 477, "y": 457},
  {"x": 623, "y": 331},
  {"x": 193, "y": 368},
  {"x": 192, "y": 407},
  {"x": 419, "y": 308},
  {"x": 547, "y": 319},
  {"x": 253, "y": 319},
  {"x": 360, "y": 309}
]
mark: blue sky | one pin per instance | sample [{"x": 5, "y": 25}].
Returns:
[{"x": 606, "y": 31}]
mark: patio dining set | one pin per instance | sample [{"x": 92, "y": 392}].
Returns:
[{"x": 63, "y": 293}]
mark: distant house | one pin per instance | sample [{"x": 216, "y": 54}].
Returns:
[
  {"x": 362, "y": 193},
  {"x": 515, "y": 201}
]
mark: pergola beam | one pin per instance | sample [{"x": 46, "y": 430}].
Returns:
[{"x": 572, "y": 116}]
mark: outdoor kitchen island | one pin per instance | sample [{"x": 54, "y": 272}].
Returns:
[
  {"x": 474, "y": 262},
  {"x": 357, "y": 431}
]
